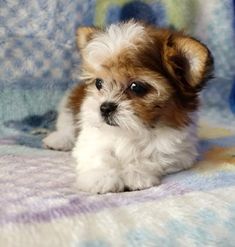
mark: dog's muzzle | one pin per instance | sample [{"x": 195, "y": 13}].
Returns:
[{"x": 107, "y": 109}]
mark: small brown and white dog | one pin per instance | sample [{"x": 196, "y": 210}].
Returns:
[{"x": 132, "y": 119}]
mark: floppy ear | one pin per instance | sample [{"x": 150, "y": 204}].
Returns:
[
  {"x": 84, "y": 35},
  {"x": 188, "y": 59}
]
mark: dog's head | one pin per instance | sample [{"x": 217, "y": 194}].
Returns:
[{"x": 140, "y": 75}]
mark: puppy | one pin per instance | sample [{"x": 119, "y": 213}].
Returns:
[{"x": 132, "y": 118}]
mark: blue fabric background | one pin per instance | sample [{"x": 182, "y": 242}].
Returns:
[{"x": 39, "y": 60}]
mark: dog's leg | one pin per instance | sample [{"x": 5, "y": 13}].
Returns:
[
  {"x": 99, "y": 180},
  {"x": 98, "y": 169},
  {"x": 138, "y": 177},
  {"x": 64, "y": 136},
  {"x": 97, "y": 174}
]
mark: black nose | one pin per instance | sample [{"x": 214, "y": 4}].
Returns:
[{"x": 107, "y": 108}]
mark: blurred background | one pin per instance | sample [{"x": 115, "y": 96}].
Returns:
[{"x": 39, "y": 60}]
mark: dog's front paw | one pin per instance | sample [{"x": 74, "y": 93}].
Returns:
[
  {"x": 138, "y": 181},
  {"x": 58, "y": 141},
  {"x": 99, "y": 181}
]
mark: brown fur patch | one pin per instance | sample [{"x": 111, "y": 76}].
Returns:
[
  {"x": 169, "y": 56},
  {"x": 84, "y": 34},
  {"x": 76, "y": 98},
  {"x": 174, "y": 65}
]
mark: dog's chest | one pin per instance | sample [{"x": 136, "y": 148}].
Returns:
[{"x": 131, "y": 147}]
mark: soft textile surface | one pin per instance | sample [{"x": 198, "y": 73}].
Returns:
[{"x": 39, "y": 204}]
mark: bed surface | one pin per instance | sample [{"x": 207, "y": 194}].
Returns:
[{"x": 41, "y": 207}]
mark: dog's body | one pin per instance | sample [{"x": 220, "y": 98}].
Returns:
[{"x": 133, "y": 118}]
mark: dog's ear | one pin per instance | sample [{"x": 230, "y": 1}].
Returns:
[
  {"x": 84, "y": 35},
  {"x": 188, "y": 60}
]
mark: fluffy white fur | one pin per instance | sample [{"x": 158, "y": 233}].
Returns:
[
  {"x": 108, "y": 44},
  {"x": 128, "y": 155},
  {"x": 111, "y": 158},
  {"x": 64, "y": 137}
]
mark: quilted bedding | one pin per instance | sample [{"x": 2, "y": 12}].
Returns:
[{"x": 39, "y": 205}]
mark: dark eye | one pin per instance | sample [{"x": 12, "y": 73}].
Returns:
[
  {"x": 138, "y": 88},
  {"x": 98, "y": 83}
]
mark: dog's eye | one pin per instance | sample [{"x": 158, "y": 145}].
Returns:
[
  {"x": 98, "y": 83},
  {"x": 138, "y": 88}
]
